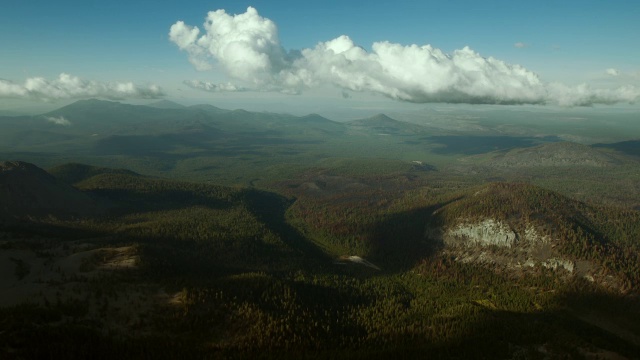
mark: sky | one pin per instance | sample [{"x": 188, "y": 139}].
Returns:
[{"x": 305, "y": 56}]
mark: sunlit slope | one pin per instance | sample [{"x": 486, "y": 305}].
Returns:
[{"x": 512, "y": 226}]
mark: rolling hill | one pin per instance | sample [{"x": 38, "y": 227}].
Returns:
[{"x": 557, "y": 154}]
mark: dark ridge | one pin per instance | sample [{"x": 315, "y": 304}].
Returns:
[
  {"x": 74, "y": 173},
  {"x": 28, "y": 191}
]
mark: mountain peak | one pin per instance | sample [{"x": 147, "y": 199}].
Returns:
[
  {"x": 87, "y": 105},
  {"x": 314, "y": 117},
  {"x": 381, "y": 117},
  {"x": 378, "y": 119}
]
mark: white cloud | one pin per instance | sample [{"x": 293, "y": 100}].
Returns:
[
  {"x": 520, "y": 45},
  {"x": 612, "y": 72},
  {"x": 69, "y": 87},
  {"x": 211, "y": 87},
  {"x": 58, "y": 120},
  {"x": 246, "y": 47},
  {"x": 584, "y": 95}
]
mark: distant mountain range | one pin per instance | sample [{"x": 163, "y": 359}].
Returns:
[
  {"x": 106, "y": 126},
  {"x": 103, "y": 118},
  {"x": 194, "y": 140}
]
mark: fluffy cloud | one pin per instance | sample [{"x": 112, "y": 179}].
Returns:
[
  {"x": 520, "y": 45},
  {"x": 68, "y": 87},
  {"x": 612, "y": 72},
  {"x": 246, "y": 47},
  {"x": 211, "y": 87},
  {"x": 58, "y": 120}
]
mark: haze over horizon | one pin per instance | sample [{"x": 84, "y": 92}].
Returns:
[{"x": 277, "y": 57}]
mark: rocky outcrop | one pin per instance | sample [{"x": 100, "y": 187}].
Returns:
[
  {"x": 498, "y": 243},
  {"x": 559, "y": 263},
  {"x": 532, "y": 237},
  {"x": 484, "y": 233}
]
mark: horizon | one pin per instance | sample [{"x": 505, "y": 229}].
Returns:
[{"x": 416, "y": 112}]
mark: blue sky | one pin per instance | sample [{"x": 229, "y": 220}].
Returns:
[{"x": 569, "y": 42}]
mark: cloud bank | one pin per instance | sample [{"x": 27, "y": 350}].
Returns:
[
  {"x": 211, "y": 87},
  {"x": 246, "y": 46},
  {"x": 69, "y": 87}
]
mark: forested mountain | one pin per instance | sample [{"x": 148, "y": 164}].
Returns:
[
  {"x": 203, "y": 232},
  {"x": 241, "y": 272}
]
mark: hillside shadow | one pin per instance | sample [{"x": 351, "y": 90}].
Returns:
[
  {"x": 631, "y": 147},
  {"x": 270, "y": 209},
  {"x": 402, "y": 241},
  {"x": 27, "y": 230},
  {"x": 125, "y": 201}
]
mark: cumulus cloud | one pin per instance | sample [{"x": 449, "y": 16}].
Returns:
[
  {"x": 246, "y": 46},
  {"x": 69, "y": 87},
  {"x": 58, "y": 120},
  {"x": 211, "y": 87},
  {"x": 520, "y": 45},
  {"x": 612, "y": 72}
]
